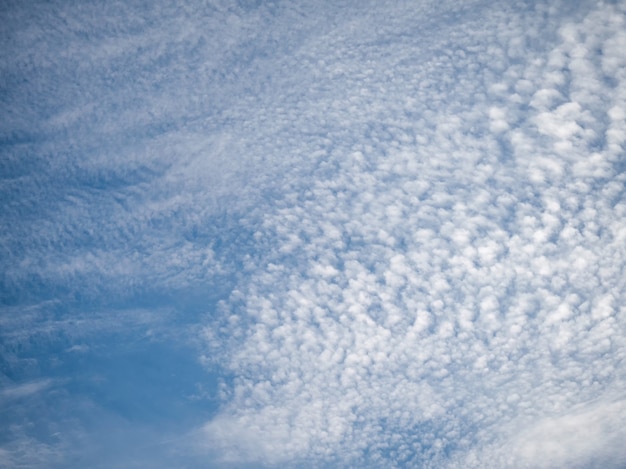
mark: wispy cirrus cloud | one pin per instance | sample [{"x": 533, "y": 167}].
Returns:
[{"x": 25, "y": 389}]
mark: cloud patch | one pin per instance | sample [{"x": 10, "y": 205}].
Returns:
[{"x": 452, "y": 271}]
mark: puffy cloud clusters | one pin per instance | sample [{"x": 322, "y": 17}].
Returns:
[
  {"x": 447, "y": 289},
  {"x": 418, "y": 206}
]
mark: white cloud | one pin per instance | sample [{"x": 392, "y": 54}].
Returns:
[
  {"x": 25, "y": 389},
  {"x": 452, "y": 271},
  {"x": 587, "y": 436},
  {"x": 419, "y": 204}
]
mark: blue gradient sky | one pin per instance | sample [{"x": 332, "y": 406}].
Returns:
[{"x": 313, "y": 234}]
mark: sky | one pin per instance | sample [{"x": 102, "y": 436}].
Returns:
[{"x": 313, "y": 234}]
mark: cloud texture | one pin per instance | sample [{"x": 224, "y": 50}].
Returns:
[
  {"x": 393, "y": 231},
  {"x": 447, "y": 288}
]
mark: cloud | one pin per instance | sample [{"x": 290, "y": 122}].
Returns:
[
  {"x": 586, "y": 436},
  {"x": 576, "y": 439},
  {"x": 452, "y": 270},
  {"x": 25, "y": 389},
  {"x": 409, "y": 214}
]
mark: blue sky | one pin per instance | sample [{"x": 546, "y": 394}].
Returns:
[{"x": 313, "y": 234}]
